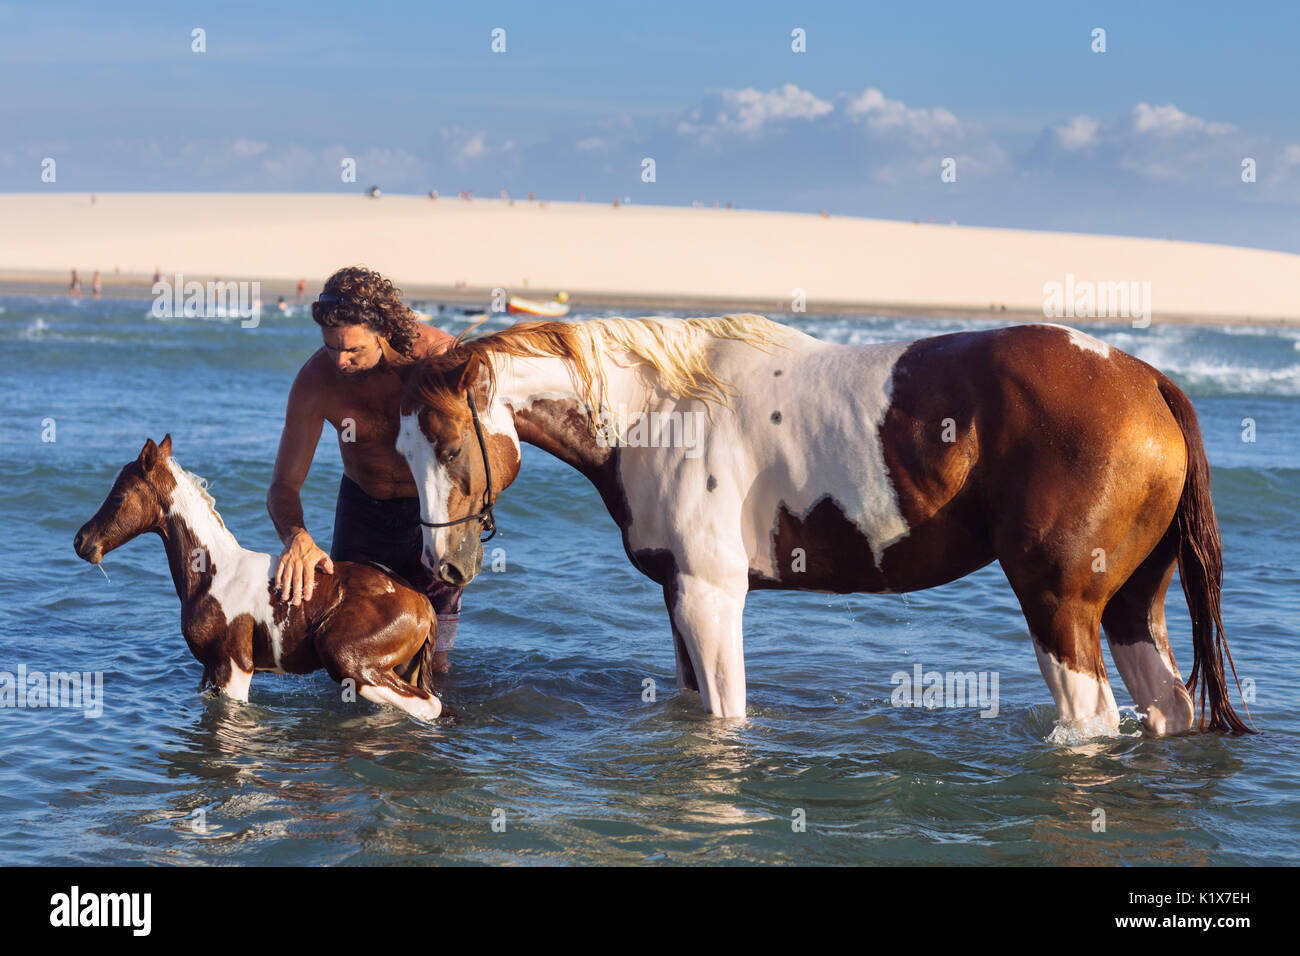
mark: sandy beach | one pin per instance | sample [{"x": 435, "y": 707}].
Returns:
[{"x": 631, "y": 258}]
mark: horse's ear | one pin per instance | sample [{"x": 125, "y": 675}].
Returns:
[
  {"x": 400, "y": 364},
  {"x": 469, "y": 375},
  {"x": 165, "y": 448},
  {"x": 148, "y": 454}
]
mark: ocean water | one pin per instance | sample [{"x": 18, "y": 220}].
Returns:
[{"x": 556, "y": 757}]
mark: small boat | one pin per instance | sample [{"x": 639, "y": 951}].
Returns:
[{"x": 555, "y": 309}]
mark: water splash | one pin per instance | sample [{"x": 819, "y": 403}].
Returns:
[{"x": 1079, "y": 732}]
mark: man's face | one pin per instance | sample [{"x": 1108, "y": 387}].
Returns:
[{"x": 354, "y": 349}]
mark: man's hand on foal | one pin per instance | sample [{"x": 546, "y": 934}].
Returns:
[{"x": 295, "y": 574}]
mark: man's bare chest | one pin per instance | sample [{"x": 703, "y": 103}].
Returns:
[{"x": 367, "y": 413}]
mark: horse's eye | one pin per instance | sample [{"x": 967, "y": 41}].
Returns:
[{"x": 450, "y": 455}]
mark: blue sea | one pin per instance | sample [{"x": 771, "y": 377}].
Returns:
[{"x": 557, "y": 757}]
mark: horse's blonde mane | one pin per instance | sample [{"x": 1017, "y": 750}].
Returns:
[
  {"x": 200, "y": 485},
  {"x": 677, "y": 349}
]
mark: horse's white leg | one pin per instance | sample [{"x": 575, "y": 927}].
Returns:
[
  {"x": 1065, "y": 631},
  {"x": 708, "y": 618},
  {"x": 686, "y": 679},
  {"x": 1083, "y": 700},
  {"x": 1134, "y": 622},
  {"x": 1161, "y": 700}
]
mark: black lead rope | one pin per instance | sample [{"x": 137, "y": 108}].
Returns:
[{"x": 484, "y": 514}]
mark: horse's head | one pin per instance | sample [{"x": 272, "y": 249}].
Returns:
[
  {"x": 137, "y": 502},
  {"x": 463, "y": 451}
]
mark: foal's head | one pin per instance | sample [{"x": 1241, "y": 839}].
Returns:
[
  {"x": 138, "y": 502},
  {"x": 450, "y": 457}
]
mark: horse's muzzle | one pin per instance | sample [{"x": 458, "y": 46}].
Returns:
[
  {"x": 453, "y": 575},
  {"x": 86, "y": 548}
]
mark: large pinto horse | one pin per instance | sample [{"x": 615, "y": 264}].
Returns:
[{"x": 736, "y": 453}]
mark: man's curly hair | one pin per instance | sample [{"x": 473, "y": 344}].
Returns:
[{"x": 356, "y": 295}]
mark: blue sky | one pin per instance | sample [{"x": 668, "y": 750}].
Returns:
[{"x": 1144, "y": 139}]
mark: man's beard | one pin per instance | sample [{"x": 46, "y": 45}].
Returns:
[{"x": 364, "y": 374}]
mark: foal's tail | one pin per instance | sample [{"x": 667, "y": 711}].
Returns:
[
  {"x": 424, "y": 666},
  {"x": 423, "y": 676},
  {"x": 1200, "y": 568}
]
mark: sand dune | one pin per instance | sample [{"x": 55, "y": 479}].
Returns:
[{"x": 631, "y": 252}]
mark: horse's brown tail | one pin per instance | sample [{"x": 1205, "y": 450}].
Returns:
[{"x": 1200, "y": 568}]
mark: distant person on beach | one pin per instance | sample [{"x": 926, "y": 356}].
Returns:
[
  {"x": 351, "y": 383},
  {"x": 302, "y": 288},
  {"x": 74, "y": 287},
  {"x": 157, "y": 275},
  {"x": 280, "y": 304},
  {"x": 97, "y": 284}
]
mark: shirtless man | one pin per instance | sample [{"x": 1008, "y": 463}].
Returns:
[{"x": 351, "y": 383}]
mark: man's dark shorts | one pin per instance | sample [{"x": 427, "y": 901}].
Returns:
[{"x": 388, "y": 532}]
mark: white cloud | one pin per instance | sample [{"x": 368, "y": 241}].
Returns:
[
  {"x": 469, "y": 147},
  {"x": 1163, "y": 144},
  {"x": 876, "y": 139},
  {"x": 1169, "y": 119},
  {"x": 464, "y": 145},
  {"x": 1078, "y": 132},
  {"x": 886, "y": 116},
  {"x": 907, "y": 144},
  {"x": 750, "y": 111},
  {"x": 754, "y": 108}
]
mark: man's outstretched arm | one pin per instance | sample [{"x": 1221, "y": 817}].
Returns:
[{"x": 295, "y": 572}]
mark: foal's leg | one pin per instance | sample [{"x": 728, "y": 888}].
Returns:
[
  {"x": 226, "y": 676},
  {"x": 398, "y": 693},
  {"x": 367, "y": 646},
  {"x": 1139, "y": 644},
  {"x": 706, "y": 618},
  {"x": 239, "y": 682},
  {"x": 228, "y": 661}
]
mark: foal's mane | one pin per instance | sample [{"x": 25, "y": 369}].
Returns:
[
  {"x": 200, "y": 485},
  {"x": 676, "y": 349}
]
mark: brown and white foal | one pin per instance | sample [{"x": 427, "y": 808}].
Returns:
[{"x": 360, "y": 624}]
